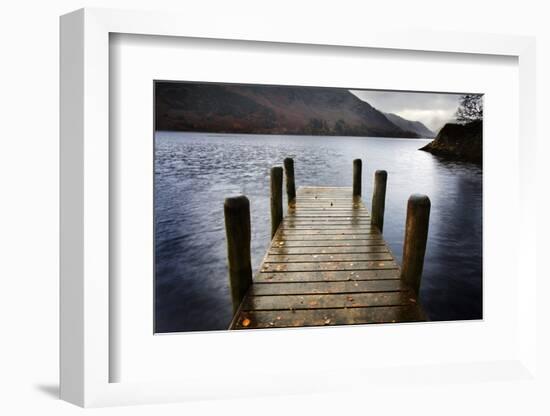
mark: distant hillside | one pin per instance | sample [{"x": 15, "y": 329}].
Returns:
[
  {"x": 268, "y": 110},
  {"x": 462, "y": 142},
  {"x": 414, "y": 126}
]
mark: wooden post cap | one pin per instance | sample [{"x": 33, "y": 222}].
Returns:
[
  {"x": 236, "y": 202},
  {"x": 381, "y": 175},
  {"x": 419, "y": 200}
]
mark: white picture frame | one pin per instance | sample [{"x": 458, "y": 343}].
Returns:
[{"x": 85, "y": 221}]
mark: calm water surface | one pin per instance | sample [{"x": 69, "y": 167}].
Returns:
[{"x": 195, "y": 172}]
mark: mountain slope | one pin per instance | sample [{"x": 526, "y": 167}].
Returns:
[
  {"x": 414, "y": 126},
  {"x": 226, "y": 108}
]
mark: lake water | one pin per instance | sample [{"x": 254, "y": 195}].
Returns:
[{"x": 195, "y": 172}]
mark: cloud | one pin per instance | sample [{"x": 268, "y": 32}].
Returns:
[{"x": 432, "y": 109}]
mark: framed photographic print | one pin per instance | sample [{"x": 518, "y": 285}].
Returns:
[
  {"x": 274, "y": 213},
  {"x": 325, "y": 260}
]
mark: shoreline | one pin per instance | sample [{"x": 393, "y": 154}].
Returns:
[{"x": 236, "y": 135}]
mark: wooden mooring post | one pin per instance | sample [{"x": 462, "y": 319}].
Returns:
[
  {"x": 290, "y": 185},
  {"x": 276, "y": 198},
  {"x": 357, "y": 174},
  {"x": 379, "y": 198},
  {"x": 416, "y": 237},
  {"x": 237, "y": 229}
]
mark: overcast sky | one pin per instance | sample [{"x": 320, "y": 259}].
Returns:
[{"x": 432, "y": 109}]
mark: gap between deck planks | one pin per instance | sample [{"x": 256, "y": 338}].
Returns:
[{"x": 327, "y": 265}]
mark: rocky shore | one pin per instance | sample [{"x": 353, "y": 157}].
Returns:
[{"x": 461, "y": 142}]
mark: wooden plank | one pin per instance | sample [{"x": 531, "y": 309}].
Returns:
[
  {"x": 329, "y": 208},
  {"x": 337, "y": 287},
  {"x": 292, "y": 210},
  {"x": 327, "y": 211},
  {"x": 326, "y": 237},
  {"x": 336, "y": 203},
  {"x": 328, "y": 266},
  {"x": 325, "y": 317},
  {"x": 304, "y": 222},
  {"x": 325, "y": 194},
  {"x": 328, "y": 250},
  {"x": 351, "y": 220},
  {"x": 331, "y": 215},
  {"x": 351, "y": 232},
  {"x": 325, "y": 276},
  {"x": 340, "y": 227},
  {"x": 355, "y": 300},
  {"x": 325, "y": 189},
  {"x": 305, "y": 258},
  {"x": 343, "y": 195},
  {"x": 320, "y": 196},
  {"x": 328, "y": 243}
]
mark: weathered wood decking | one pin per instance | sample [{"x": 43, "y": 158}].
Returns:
[{"x": 327, "y": 265}]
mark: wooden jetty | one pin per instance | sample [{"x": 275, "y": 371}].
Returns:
[{"x": 328, "y": 263}]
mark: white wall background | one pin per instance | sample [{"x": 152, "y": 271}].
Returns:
[{"x": 29, "y": 203}]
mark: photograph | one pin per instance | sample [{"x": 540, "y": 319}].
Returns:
[{"x": 280, "y": 206}]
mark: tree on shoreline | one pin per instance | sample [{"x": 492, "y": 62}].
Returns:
[{"x": 470, "y": 108}]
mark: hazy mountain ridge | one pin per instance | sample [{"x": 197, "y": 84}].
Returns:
[
  {"x": 408, "y": 125},
  {"x": 269, "y": 110}
]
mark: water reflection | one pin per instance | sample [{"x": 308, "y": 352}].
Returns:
[{"x": 195, "y": 172}]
